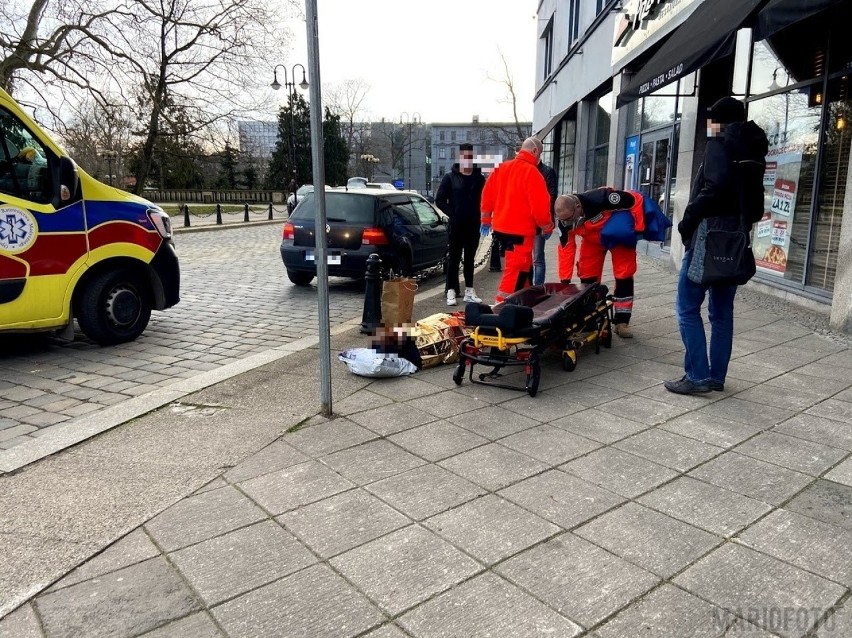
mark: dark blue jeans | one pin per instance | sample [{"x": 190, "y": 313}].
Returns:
[{"x": 690, "y": 297}]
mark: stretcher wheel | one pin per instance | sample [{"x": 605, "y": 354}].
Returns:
[
  {"x": 606, "y": 336},
  {"x": 569, "y": 361},
  {"x": 458, "y": 375},
  {"x": 533, "y": 379}
]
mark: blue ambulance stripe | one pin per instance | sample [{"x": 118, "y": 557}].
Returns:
[
  {"x": 65, "y": 220},
  {"x": 101, "y": 212}
]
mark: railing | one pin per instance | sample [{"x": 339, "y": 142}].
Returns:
[{"x": 193, "y": 196}]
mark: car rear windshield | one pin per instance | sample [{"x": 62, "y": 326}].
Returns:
[{"x": 352, "y": 208}]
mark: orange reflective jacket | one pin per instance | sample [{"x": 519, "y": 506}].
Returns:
[{"x": 515, "y": 198}]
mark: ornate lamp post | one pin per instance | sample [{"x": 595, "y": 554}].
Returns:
[
  {"x": 371, "y": 161},
  {"x": 290, "y": 85}
]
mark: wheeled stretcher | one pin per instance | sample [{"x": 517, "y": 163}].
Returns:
[{"x": 562, "y": 317}]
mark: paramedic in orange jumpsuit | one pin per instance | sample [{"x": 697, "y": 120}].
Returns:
[
  {"x": 584, "y": 215},
  {"x": 516, "y": 206}
]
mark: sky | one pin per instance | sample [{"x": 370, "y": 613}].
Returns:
[{"x": 431, "y": 57}]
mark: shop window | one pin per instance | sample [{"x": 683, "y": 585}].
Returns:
[
  {"x": 600, "y": 4},
  {"x": 834, "y": 171},
  {"x": 634, "y": 117},
  {"x": 659, "y": 110},
  {"x": 781, "y": 237},
  {"x": 598, "y": 153},
  {"x": 567, "y": 144}
]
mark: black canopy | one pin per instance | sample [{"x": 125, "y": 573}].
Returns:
[
  {"x": 778, "y": 14},
  {"x": 707, "y": 35}
]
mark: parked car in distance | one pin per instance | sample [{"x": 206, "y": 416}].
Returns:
[
  {"x": 406, "y": 231},
  {"x": 294, "y": 199}
]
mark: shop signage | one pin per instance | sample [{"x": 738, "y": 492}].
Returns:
[
  {"x": 644, "y": 21},
  {"x": 771, "y": 243}
]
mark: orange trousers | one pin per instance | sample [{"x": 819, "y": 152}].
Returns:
[{"x": 518, "y": 267}]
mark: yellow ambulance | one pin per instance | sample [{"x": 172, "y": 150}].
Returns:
[{"x": 72, "y": 247}]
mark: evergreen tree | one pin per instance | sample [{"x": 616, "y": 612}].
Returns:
[
  {"x": 336, "y": 150},
  {"x": 228, "y": 168},
  {"x": 250, "y": 178}
]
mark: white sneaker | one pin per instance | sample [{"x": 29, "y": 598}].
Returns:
[
  {"x": 451, "y": 297},
  {"x": 470, "y": 296}
]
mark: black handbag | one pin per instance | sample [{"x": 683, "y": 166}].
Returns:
[{"x": 721, "y": 249}]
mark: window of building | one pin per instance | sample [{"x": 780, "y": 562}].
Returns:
[
  {"x": 598, "y": 153},
  {"x": 573, "y": 21},
  {"x": 565, "y": 164},
  {"x": 441, "y": 135},
  {"x": 467, "y": 136},
  {"x": 453, "y": 153},
  {"x": 547, "y": 49},
  {"x": 600, "y": 6},
  {"x": 452, "y": 136},
  {"x": 442, "y": 153},
  {"x": 441, "y": 171}
]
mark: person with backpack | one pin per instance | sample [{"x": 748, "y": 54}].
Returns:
[
  {"x": 728, "y": 191},
  {"x": 607, "y": 220}
]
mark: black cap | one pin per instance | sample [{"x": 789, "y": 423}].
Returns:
[{"x": 727, "y": 110}]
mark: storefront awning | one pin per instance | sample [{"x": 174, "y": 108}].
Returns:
[
  {"x": 707, "y": 35},
  {"x": 778, "y": 14}
]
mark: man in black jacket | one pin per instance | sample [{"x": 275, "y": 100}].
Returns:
[
  {"x": 459, "y": 196},
  {"x": 722, "y": 189}
]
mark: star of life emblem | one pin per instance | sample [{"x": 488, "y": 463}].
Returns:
[{"x": 17, "y": 229}]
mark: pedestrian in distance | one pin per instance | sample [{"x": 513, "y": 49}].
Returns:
[
  {"x": 516, "y": 206},
  {"x": 588, "y": 216},
  {"x": 539, "y": 265},
  {"x": 725, "y": 180},
  {"x": 459, "y": 196}
]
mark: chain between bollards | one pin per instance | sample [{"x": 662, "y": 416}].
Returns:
[
  {"x": 372, "y": 315},
  {"x": 185, "y": 215}
]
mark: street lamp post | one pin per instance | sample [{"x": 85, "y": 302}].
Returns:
[
  {"x": 290, "y": 85},
  {"x": 109, "y": 156},
  {"x": 414, "y": 118},
  {"x": 371, "y": 160}
]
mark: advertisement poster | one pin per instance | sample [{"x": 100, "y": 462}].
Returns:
[
  {"x": 771, "y": 240},
  {"x": 631, "y": 163}
]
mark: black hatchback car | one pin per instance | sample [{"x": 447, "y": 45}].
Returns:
[{"x": 407, "y": 232}]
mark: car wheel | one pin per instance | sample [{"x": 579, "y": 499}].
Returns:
[
  {"x": 300, "y": 278},
  {"x": 114, "y": 307}
]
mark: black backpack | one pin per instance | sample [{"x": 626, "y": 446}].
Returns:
[{"x": 747, "y": 146}]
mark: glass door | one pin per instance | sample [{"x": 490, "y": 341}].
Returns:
[{"x": 654, "y": 160}]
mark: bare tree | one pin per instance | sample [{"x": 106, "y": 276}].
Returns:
[
  {"x": 45, "y": 42},
  {"x": 196, "y": 63},
  {"x": 98, "y": 137},
  {"x": 346, "y": 100},
  {"x": 511, "y": 96}
]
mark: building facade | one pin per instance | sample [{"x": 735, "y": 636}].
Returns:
[
  {"x": 621, "y": 96},
  {"x": 492, "y": 142}
]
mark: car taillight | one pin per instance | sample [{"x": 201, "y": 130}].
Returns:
[
  {"x": 374, "y": 237},
  {"x": 289, "y": 231}
]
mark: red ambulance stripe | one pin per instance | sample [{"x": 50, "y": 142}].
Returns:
[
  {"x": 11, "y": 269},
  {"x": 113, "y": 232},
  {"x": 53, "y": 253}
]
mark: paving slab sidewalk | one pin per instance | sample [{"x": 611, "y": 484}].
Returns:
[{"x": 604, "y": 506}]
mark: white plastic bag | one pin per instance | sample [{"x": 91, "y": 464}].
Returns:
[{"x": 366, "y": 362}]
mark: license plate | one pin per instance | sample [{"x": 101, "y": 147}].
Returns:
[{"x": 333, "y": 259}]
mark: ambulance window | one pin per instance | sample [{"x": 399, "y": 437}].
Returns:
[{"x": 24, "y": 162}]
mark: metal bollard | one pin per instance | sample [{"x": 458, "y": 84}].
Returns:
[
  {"x": 245, "y": 212},
  {"x": 219, "y": 214},
  {"x": 185, "y": 215},
  {"x": 372, "y": 316},
  {"x": 270, "y": 211}
]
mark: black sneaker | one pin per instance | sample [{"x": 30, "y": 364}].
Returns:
[
  {"x": 717, "y": 386},
  {"x": 685, "y": 386}
]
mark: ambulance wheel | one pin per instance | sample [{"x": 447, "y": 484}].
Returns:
[
  {"x": 114, "y": 307},
  {"x": 300, "y": 278},
  {"x": 458, "y": 375},
  {"x": 533, "y": 379},
  {"x": 568, "y": 363}
]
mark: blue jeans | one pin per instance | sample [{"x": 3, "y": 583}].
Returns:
[
  {"x": 538, "y": 260},
  {"x": 690, "y": 297}
]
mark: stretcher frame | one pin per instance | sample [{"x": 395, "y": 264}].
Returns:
[{"x": 488, "y": 346}]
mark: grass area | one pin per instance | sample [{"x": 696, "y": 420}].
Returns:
[{"x": 210, "y": 209}]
